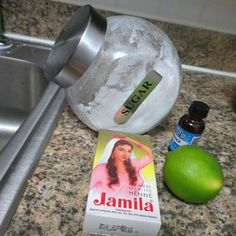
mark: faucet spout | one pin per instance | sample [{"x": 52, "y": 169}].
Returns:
[
  {"x": 4, "y": 43},
  {"x": 1, "y": 23}
]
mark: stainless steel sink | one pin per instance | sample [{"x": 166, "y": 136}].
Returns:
[
  {"x": 21, "y": 86},
  {"x": 29, "y": 110}
]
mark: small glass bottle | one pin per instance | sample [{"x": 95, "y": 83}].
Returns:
[{"x": 190, "y": 126}]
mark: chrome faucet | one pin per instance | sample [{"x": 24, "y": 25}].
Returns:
[
  {"x": 1, "y": 24},
  {"x": 4, "y": 43}
]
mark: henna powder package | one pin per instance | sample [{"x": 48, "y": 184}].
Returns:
[{"x": 123, "y": 197}]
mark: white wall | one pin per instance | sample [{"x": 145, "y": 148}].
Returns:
[{"x": 218, "y": 15}]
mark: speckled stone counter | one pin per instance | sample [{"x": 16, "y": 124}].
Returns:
[
  {"x": 54, "y": 201},
  {"x": 55, "y": 198}
]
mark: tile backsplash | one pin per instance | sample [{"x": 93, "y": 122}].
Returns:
[{"x": 214, "y": 15}]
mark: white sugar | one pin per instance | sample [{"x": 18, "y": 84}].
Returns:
[{"x": 133, "y": 47}]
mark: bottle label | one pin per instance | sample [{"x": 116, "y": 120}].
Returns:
[
  {"x": 145, "y": 87},
  {"x": 182, "y": 137}
]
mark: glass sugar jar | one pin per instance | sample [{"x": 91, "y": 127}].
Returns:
[{"x": 132, "y": 81}]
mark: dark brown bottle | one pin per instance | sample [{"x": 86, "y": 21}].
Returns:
[{"x": 190, "y": 126}]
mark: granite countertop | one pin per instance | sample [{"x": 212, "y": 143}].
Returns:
[{"x": 55, "y": 198}]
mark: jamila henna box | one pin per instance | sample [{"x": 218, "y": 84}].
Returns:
[{"x": 122, "y": 198}]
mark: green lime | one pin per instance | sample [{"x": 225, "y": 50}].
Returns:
[{"x": 193, "y": 174}]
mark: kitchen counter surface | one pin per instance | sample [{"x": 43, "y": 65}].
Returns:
[
  {"x": 54, "y": 201},
  {"x": 55, "y": 198}
]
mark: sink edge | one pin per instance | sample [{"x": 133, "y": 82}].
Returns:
[
  {"x": 38, "y": 128},
  {"x": 14, "y": 184}
]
